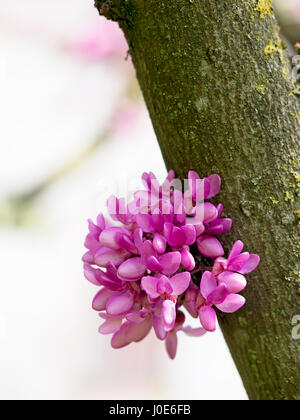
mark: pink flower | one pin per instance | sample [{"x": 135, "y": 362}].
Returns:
[
  {"x": 103, "y": 39},
  {"x": 218, "y": 295},
  {"x": 237, "y": 261},
  {"x": 167, "y": 289},
  {"x": 143, "y": 264}
]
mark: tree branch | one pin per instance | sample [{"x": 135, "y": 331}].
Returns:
[{"x": 215, "y": 78}]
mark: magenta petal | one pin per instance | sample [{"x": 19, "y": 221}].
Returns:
[
  {"x": 88, "y": 258},
  {"x": 218, "y": 295},
  {"x": 235, "y": 282},
  {"x": 177, "y": 237},
  {"x": 120, "y": 304},
  {"x": 106, "y": 255},
  {"x": 138, "y": 238},
  {"x": 147, "y": 251},
  {"x": 232, "y": 303},
  {"x": 108, "y": 237},
  {"x": 208, "y": 318},
  {"x": 208, "y": 284},
  {"x": 153, "y": 264},
  {"x": 215, "y": 185},
  {"x": 137, "y": 317},
  {"x": 121, "y": 337},
  {"x": 124, "y": 242},
  {"x": 137, "y": 332},
  {"x": 190, "y": 300},
  {"x": 236, "y": 249},
  {"x": 214, "y": 230},
  {"x": 158, "y": 222},
  {"x": 91, "y": 274},
  {"x": 101, "y": 299},
  {"x": 168, "y": 229},
  {"x": 164, "y": 286},
  {"x": 206, "y": 212},
  {"x": 187, "y": 260},
  {"x": 101, "y": 223},
  {"x": 210, "y": 247},
  {"x": 170, "y": 262},
  {"x": 190, "y": 234},
  {"x": 180, "y": 282},
  {"x": 144, "y": 221},
  {"x": 251, "y": 264},
  {"x": 169, "y": 314},
  {"x": 159, "y": 243},
  {"x": 149, "y": 285},
  {"x": 171, "y": 344},
  {"x": 131, "y": 270},
  {"x": 227, "y": 225},
  {"x": 238, "y": 262},
  {"x": 194, "y": 332},
  {"x": 111, "y": 325},
  {"x": 159, "y": 328}
]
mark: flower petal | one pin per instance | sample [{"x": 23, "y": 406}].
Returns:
[
  {"x": 236, "y": 249},
  {"x": 137, "y": 317},
  {"x": 149, "y": 285},
  {"x": 101, "y": 299},
  {"x": 235, "y": 282},
  {"x": 120, "y": 304},
  {"x": 218, "y": 295},
  {"x": 208, "y": 318},
  {"x": 170, "y": 262},
  {"x": 187, "y": 260},
  {"x": 208, "y": 284},
  {"x": 159, "y": 243},
  {"x": 106, "y": 255},
  {"x": 210, "y": 247},
  {"x": 190, "y": 234},
  {"x": 169, "y": 314},
  {"x": 137, "y": 332},
  {"x": 232, "y": 303},
  {"x": 180, "y": 282},
  {"x": 159, "y": 328},
  {"x": 111, "y": 325},
  {"x": 251, "y": 264},
  {"x": 131, "y": 270},
  {"x": 215, "y": 185},
  {"x": 190, "y": 300},
  {"x": 171, "y": 344},
  {"x": 144, "y": 221},
  {"x": 194, "y": 332},
  {"x": 108, "y": 237},
  {"x": 91, "y": 274},
  {"x": 121, "y": 337},
  {"x": 206, "y": 212}
]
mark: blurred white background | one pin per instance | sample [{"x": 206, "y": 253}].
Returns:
[{"x": 58, "y": 90}]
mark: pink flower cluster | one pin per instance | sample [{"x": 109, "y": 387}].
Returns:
[{"x": 144, "y": 263}]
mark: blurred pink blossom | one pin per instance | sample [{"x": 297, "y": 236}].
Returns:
[
  {"x": 125, "y": 118},
  {"x": 295, "y": 9},
  {"x": 103, "y": 39}
]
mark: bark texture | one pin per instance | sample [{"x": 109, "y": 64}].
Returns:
[{"x": 217, "y": 84}]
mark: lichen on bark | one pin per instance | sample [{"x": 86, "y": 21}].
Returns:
[{"x": 215, "y": 78}]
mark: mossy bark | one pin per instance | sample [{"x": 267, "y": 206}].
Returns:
[{"x": 216, "y": 82}]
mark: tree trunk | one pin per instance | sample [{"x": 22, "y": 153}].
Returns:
[{"x": 217, "y": 84}]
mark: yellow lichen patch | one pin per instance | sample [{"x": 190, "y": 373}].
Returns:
[
  {"x": 261, "y": 89},
  {"x": 275, "y": 46},
  {"x": 264, "y": 8},
  {"x": 297, "y": 213},
  {"x": 296, "y": 91},
  {"x": 288, "y": 196},
  {"x": 271, "y": 47}
]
